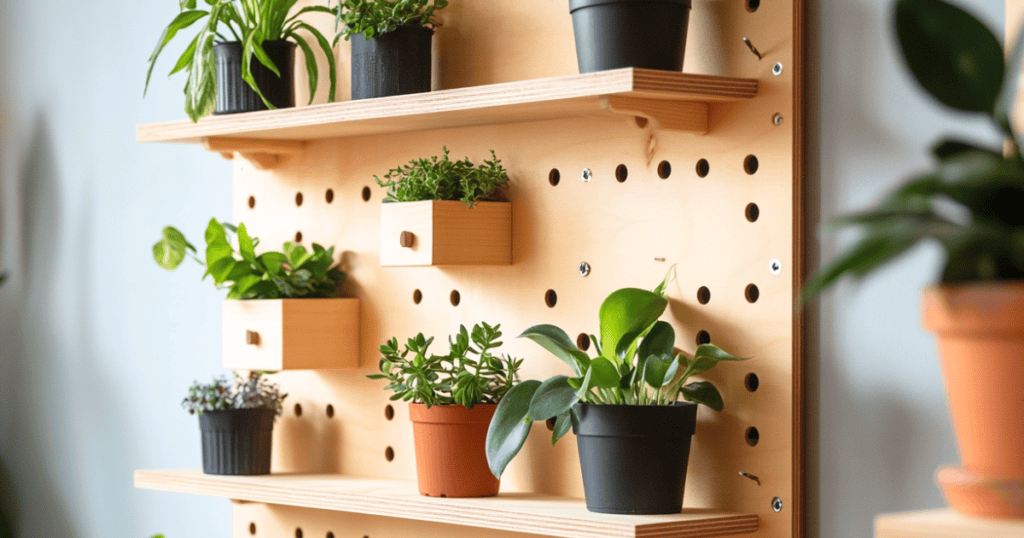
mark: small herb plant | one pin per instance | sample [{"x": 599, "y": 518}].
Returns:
[
  {"x": 417, "y": 376},
  {"x": 253, "y": 392},
  {"x": 444, "y": 179},
  {"x": 293, "y": 274},
  {"x": 636, "y": 365},
  {"x": 251, "y": 23},
  {"x": 374, "y": 18}
]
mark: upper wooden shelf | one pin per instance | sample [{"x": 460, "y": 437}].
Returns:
[
  {"x": 527, "y": 513},
  {"x": 676, "y": 101},
  {"x": 945, "y": 524}
]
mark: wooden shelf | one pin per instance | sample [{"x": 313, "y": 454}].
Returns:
[
  {"x": 675, "y": 101},
  {"x": 945, "y": 524},
  {"x": 527, "y": 513}
]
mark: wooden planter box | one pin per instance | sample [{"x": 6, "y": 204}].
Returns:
[
  {"x": 446, "y": 233},
  {"x": 291, "y": 334}
]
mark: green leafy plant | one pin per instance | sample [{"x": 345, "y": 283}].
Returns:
[
  {"x": 252, "y": 392},
  {"x": 970, "y": 202},
  {"x": 251, "y": 23},
  {"x": 293, "y": 274},
  {"x": 636, "y": 364},
  {"x": 444, "y": 179},
  {"x": 417, "y": 376},
  {"x": 374, "y": 18}
]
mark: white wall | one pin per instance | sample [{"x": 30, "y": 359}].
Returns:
[{"x": 90, "y": 382}]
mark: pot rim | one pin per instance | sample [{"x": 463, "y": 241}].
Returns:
[
  {"x": 451, "y": 414},
  {"x": 575, "y": 5},
  {"x": 983, "y": 307}
]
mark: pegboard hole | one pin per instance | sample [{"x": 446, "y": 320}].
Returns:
[
  {"x": 750, "y": 164},
  {"x": 455, "y": 298},
  {"x": 752, "y": 293},
  {"x": 752, "y": 436},
  {"x": 330, "y": 534},
  {"x": 389, "y": 454},
  {"x": 621, "y": 173},
  {"x": 298, "y": 410},
  {"x": 751, "y": 382},
  {"x": 366, "y": 194},
  {"x": 298, "y": 532},
  {"x": 298, "y": 199},
  {"x": 252, "y": 528},
  {"x": 752, "y": 212},
  {"x": 752, "y": 5},
  {"x": 329, "y": 195},
  {"x": 641, "y": 121},
  {"x": 298, "y": 237},
  {"x": 703, "y": 337},
  {"x": 664, "y": 169},
  {"x": 583, "y": 341},
  {"x": 703, "y": 168},
  {"x": 330, "y": 411},
  {"x": 703, "y": 295},
  {"x": 550, "y": 423},
  {"x": 389, "y": 412},
  {"x": 554, "y": 176},
  {"x": 417, "y": 296},
  {"x": 550, "y": 298},
  {"x": 252, "y": 202}
]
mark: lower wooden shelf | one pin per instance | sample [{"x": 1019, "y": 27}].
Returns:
[
  {"x": 516, "y": 512},
  {"x": 945, "y": 524}
]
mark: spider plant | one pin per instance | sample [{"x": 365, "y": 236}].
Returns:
[{"x": 251, "y": 23}]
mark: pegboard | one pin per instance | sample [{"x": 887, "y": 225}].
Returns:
[{"x": 722, "y": 208}]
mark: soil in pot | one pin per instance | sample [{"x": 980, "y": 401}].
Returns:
[
  {"x": 630, "y": 33},
  {"x": 237, "y": 441},
  {"x": 395, "y": 63},
  {"x": 634, "y": 458},
  {"x": 451, "y": 452},
  {"x": 235, "y": 95}
]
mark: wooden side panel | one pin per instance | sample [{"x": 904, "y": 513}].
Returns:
[{"x": 478, "y": 236}]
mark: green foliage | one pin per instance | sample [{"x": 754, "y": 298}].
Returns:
[
  {"x": 253, "y": 392},
  {"x": 444, "y": 179},
  {"x": 970, "y": 202},
  {"x": 3, "y": 276},
  {"x": 293, "y": 274},
  {"x": 251, "y": 23},
  {"x": 636, "y": 365},
  {"x": 453, "y": 379},
  {"x": 374, "y": 18}
]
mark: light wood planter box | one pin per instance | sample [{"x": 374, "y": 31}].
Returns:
[
  {"x": 291, "y": 334},
  {"x": 446, "y": 233}
]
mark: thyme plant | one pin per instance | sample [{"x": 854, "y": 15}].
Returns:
[
  {"x": 252, "y": 392},
  {"x": 444, "y": 179},
  {"x": 374, "y": 18}
]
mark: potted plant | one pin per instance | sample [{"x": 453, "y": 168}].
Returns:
[
  {"x": 970, "y": 203},
  {"x": 632, "y": 433},
  {"x": 451, "y": 401},
  {"x": 443, "y": 212},
  {"x": 391, "y": 44},
  {"x": 630, "y": 33},
  {"x": 284, "y": 309},
  {"x": 236, "y": 422},
  {"x": 255, "y": 71}
]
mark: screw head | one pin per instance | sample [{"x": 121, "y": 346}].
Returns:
[
  {"x": 586, "y": 175},
  {"x": 777, "y": 504},
  {"x": 584, "y": 268},
  {"x": 775, "y": 267},
  {"x": 777, "y": 69},
  {"x": 777, "y": 119}
]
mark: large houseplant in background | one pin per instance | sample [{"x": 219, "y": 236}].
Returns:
[
  {"x": 971, "y": 204},
  {"x": 255, "y": 70}
]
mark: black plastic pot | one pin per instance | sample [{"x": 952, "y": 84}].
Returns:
[
  {"x": 237, "y": 441},
  {"x": 235, "y": 95},
  {"x": 395, "y": 63},
  {"x": 630, "y": 33},
  {"x": 634, "y": 457}
]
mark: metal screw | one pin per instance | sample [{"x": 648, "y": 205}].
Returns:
[
  {"x": 775, "y": 267},
  {"x": 586, "y": 175},
  {"x": 752, "y": 48},
  {"x": 584, "y": 268},
  {"x": 752, "y": 477},
  {"x": 777, "y": 504},
  {"x": 777, "y": 119},
  {"x": 777, "y": 69}
]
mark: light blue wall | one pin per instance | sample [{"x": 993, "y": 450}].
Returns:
[{"x": 90, "y": 381}]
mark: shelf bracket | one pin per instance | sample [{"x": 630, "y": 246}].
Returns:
[
  {"x": 263, "y": 154},
  {"x": 665, "y": 114}
]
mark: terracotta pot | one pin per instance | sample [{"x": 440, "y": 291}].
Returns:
[
  {"x": 980, "y": 328},
  {"x": 451, "y": 453}
]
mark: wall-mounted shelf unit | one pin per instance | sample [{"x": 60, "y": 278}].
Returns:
[{"x": 527, "y": 513}]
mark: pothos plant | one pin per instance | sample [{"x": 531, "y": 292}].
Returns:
[
  {"x": 444, "y": 179},
  {"x": 374, "y": 18},
  {"x": 251, "y": 23},
  {"x": 636, "y": 364},
  {"x": 293, "y": 274},
  {"x": 466, "y": 376},
  {"x": 252, "y": 392}
]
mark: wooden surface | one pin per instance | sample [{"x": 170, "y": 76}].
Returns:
[
  {"x": 559, "y": 97},
  {"x": 534, "y": 514},
  {"x": 945, "y": 524},
  {"x": 446, "y": 233},
  {"x": 293, "y": 334}
]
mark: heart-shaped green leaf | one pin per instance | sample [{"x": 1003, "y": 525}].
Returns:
[{"x": 554, "y": 397}]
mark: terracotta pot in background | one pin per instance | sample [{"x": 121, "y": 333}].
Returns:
[
  {"x": 980, "y": 328},
  {"x": 451, "y": 454}
]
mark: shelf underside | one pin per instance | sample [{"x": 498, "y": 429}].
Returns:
[
  {"x": 675, "y": 101},
  {"x": 516, "y": 512}
]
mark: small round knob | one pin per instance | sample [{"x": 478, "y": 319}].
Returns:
[
  {"x": 407, "y": 239},
  {"x": 252, "y": 338}
]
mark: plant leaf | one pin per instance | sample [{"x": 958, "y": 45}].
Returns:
[
  {"x": 560, "y": 345},
  {"x": 661, "y": 340},
  {"x": 554, "y": 397},
  {"x": 562, "y": 426},
  {"x": 245, "y": 244},
  {"x": 604, "y": 374},
  {"x": 311, "y": 68},
  {"x": 329, "y": 53},
  {"x": 624, "y": 316},
  {"x": 510, "y": 426},
  {"x": 703, "y": 392},
  {"x": 180, "y": 22},
  {"x": 706, "y": 357}
]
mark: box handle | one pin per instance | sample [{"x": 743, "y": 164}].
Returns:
[
  {"x": 407, "y": 239},
  {"x": 252, "y": 338}
]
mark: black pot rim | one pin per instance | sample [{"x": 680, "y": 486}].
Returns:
[
  {"x": 575, "y": 5},
  {"x": 238, "y": 44},
  {"x": 240, "y": 411},
  {"x": 404, "y": 28},
  {"x": 648, "y": 421}
]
